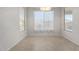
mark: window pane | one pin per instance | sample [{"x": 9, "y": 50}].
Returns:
[
  {"x": 48, "y": 20},
  {"x": 68, "y": 20},
  {"x": 38, "y": 21},
  {"x": 43, "y": 21},
  {"x": 21, "y": 21}
]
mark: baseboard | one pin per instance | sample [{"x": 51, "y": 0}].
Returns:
[
  {"x": 71, "y": 39},
  {"x": 9, "y": 49}
]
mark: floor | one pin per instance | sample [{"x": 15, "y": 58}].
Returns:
[{"x": 45, "y": 43}]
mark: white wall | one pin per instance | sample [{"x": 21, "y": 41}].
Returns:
[
  {"x": 57, "y": 30},
  {"x": 76, "y": 25},
  {"x": 9, "y": 27},
  {"x": 74, "y": 35}
]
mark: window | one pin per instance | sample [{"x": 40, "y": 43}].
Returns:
[
  {"x": 21, "y": 22},
  {"x": 68, "y": 19},
  {"x": 43, "y": 20}
]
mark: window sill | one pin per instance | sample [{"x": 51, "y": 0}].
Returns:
[{"x": 68, "y": 30}]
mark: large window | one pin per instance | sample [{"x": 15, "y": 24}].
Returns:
[
  {"x": 68, "y": 19},
  {"x": 43, "y": 20}
]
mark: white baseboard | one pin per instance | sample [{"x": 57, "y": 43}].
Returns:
[{"x": 69, "y": 36}]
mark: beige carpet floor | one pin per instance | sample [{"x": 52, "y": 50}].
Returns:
[{"x": 45, "y": 43}]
